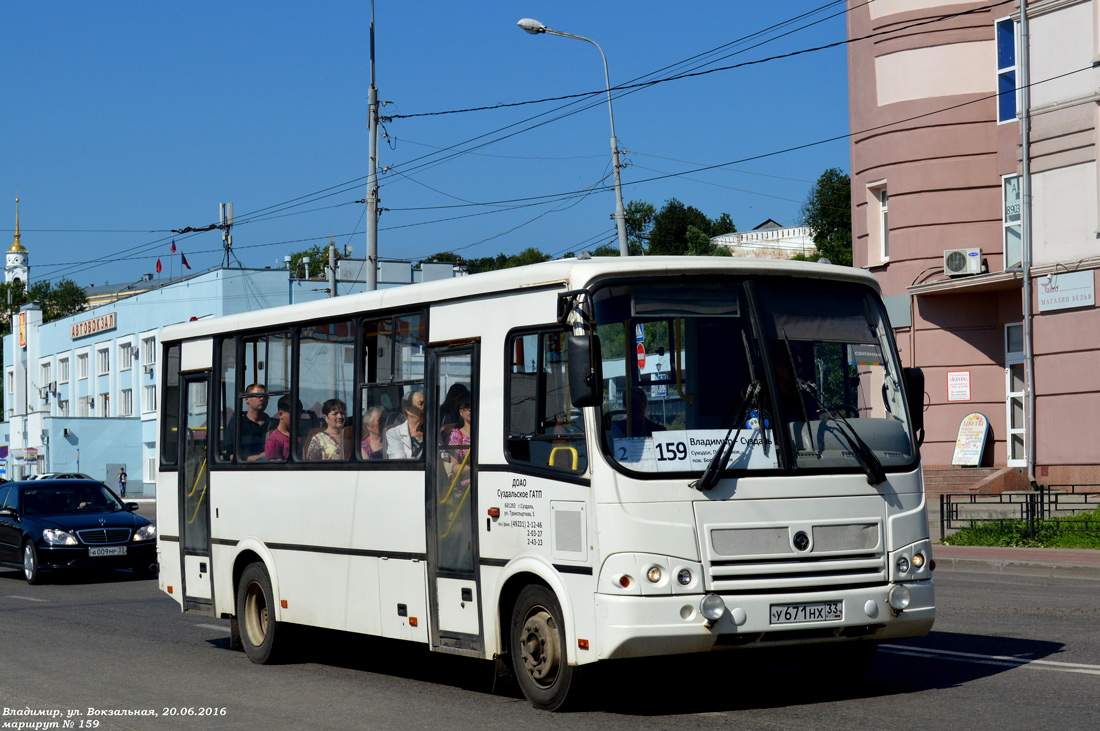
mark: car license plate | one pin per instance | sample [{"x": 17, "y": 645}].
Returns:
[
  {"x": 816, "y": 612},
  {"x": 108, "y": 551}
]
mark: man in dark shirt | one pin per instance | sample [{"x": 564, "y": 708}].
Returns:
[{"x": 254, "y": 426}]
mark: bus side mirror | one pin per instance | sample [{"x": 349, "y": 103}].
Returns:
[
  {"x": 585, "y": 383},
  {"x": 914, "y": 389}
]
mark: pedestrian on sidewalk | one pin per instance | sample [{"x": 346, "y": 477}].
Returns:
[{"x": 122, "y": 481}]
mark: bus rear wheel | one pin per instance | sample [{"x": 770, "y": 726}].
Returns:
[
  {"x": 260, "y": 633},
  {"x": 538, "y": 648}
]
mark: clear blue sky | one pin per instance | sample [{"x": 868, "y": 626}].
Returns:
[{"x": 122, "y": 121}]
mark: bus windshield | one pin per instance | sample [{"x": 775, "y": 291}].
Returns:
[{"x": 792, "y": 374}]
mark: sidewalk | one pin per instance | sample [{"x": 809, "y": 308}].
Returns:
[{"x": 1065, "y": 562}]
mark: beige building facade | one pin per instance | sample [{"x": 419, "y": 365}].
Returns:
[{"x": 964, "y": 176}]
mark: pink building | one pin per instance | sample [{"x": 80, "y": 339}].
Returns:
[{"x": 963, "y": 176}]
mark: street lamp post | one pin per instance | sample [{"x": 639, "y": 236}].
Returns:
[{"x": 534, "y": 27}]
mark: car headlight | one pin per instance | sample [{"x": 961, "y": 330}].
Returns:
[
  {"x": 56, "y": 537},
  {"x": 145, "y": 533}
]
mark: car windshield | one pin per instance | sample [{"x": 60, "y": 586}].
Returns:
[
  {"x": 69, "y": 498},
  {"x": 801, "y": 373}
]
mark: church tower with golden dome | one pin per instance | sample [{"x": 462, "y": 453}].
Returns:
[{"x": 17, "y": 268}]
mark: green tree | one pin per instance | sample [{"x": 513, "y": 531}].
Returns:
[
  {"x": 828, "y": 211},
  {"x": 680, "y": 230},
  {"x": 318, "y": 260}
]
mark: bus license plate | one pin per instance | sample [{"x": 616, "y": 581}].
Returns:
[
  {"x": 816, "y": 612},
  {"x": 108, "y": 551}
]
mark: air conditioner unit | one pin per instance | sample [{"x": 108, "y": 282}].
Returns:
[
  {"x": 960, "y": 262},
  {"x": 53, "y": 387},
  {"x": 43, "y": 393},
  {"x": 148, "y": 368}
]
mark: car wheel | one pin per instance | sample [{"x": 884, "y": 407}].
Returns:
[
  {"x": 31, "y": 572},
  {"x": 538, "y": 651},
  {"x": 260, "y": 633}
]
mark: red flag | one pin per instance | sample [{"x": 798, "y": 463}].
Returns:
[
  {"x": 173, "y": 246},
  {"x": 158, "y": 265},
  {"x": 184, "y": 258}
]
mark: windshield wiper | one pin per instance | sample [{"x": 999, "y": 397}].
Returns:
[
  {"x": 722, "y": 455},
  {"x": 863, "y": 452}
]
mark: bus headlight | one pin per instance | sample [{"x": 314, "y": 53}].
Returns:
[
  {"x": 918, "y": 562},
  {"x": 903, "y": 565},
  {"x": 899, "y": 597},
  {"x": 684, "y": 577},
  {"x": 712, "y": 607},
  {"x": 654, "y": 574}
]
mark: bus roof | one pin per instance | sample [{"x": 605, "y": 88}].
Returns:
[{"x": 564, "y": 273}]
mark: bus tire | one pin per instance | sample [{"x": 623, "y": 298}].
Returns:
[
  {"x": 260, "y": 633},
  {"x": 538, "y": 648}
]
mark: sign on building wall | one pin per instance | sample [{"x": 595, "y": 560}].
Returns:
[
  {"x": 91, "y": 327},
  {"x": 971, "y": 441},
  {"x": 22, "y": 329},
  {"x": 1066, "y": 290},
  {"x": 958, "y": 385}
]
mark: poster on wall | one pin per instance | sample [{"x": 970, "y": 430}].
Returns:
[
  {"x": 970, "y": 444},
  {"x": 958, "y": 385}
]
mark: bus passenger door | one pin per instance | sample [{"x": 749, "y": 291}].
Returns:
[
  {"x": 451, "y": 468},
  {"x": 194, "y": 507}
]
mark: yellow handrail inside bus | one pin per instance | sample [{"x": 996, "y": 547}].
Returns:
[
  {"x": 457, "y": 512},
  {"x": 202, "y": 469},
  {"x": 458, "y": 473},
  {"x": 564, "y": 449}
]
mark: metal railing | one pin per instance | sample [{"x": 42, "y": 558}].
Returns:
[{"x": 1044, "y": 509}]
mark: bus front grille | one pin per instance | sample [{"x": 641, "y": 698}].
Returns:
[{"x": 784, "y": 575}]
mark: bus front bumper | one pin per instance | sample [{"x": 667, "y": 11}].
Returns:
[{"x": 640, "y": 626}]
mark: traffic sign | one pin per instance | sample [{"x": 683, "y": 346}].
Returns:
[
  {"x": 641, "y": 355},
  {"x": 639, "y": 333}
]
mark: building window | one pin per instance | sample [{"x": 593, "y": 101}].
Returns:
[
  {"x": 63, "y": 370},
  {"x": 11, "y": 381},
  {"x": 45, "y": 375},
  {"x": 1013, "y": 238},
  {"x": 104, "y": 405},
  {"x": 125, "y": 356},
  {"x": 1015, "y": 388},
  {"x": 1006, "y": 70},
  {"x": 63, "y": 408},
  {"x": 84, "y": 406},
  {"x": 878, "y": 223},
  {"x": 126, "y": 402},
  {"x": 149, "y": 399},
  {"x": 151, "y": 468},
  {"x": 82, "y": 365},
  {"x": 103, "y": 362},
  {"x": 148, "y": 350}
]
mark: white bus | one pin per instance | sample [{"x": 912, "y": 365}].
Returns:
[{"x": 574, "y": 461}]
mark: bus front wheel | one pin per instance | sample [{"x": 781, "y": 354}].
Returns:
[
  {"x": 260, "y": 633},
  {"x": 538, "y": 648}
]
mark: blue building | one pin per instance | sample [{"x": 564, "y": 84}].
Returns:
[{"x": 80, "y": 393}]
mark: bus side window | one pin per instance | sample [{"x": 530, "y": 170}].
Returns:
[{"x": 543, "y": 428}]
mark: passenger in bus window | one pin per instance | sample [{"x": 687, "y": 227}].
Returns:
[
  {"x": 326, "y": 445},
  {"x": 640, "y": 424},
  {"x": 449, "y": 417},
  {"x": 277, "y": 447},
  {"x": 254, "y": 426},
  {"x": 457, "y": 458},
  {"x": 405, "y": 440},
  {"x": 373, "y": 446}
]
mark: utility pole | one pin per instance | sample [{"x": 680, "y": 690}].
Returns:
[
  {"x": 225, "y": 223},
  {"x": 372, "y": 178},
  {"x": 331, "y": 267}
]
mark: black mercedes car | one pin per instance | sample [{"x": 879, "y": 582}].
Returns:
[{"x": 72, "y": 524}]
